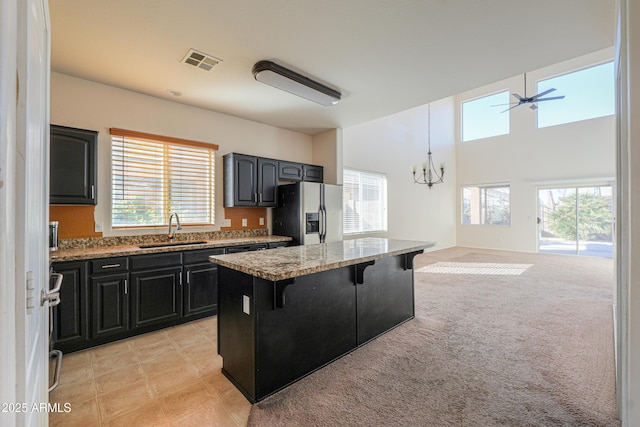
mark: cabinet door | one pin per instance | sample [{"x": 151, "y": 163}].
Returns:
[
  {"x": 313, "y": 173},
  {"x": 267, "y": 182},
  {"x": 73, "y": 166},
  {"x": 156, "y": 296},
  {"x": 70, "y": 325},
  {"x": 109, "y": 305},
  {"x": 290, "y": 171},
  {"x": 201, "y": 289},
  {"x": 243, "y": 180}
]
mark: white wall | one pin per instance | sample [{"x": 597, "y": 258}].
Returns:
[
  {"x": 392, "y": 144},
  {"x": 327, "y": 150},
  {"x": 84, "y": 104},
  {"x": 527, "y": 158}
]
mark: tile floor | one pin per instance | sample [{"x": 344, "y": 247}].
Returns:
[{"x": 170, "y": 377}]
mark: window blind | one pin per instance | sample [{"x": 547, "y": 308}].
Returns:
[
  {"x": 364, "y": 201},
  {"x": 153, "y": 176}
]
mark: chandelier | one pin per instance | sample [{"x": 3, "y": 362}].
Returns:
[{"x": 429, "y": 175}]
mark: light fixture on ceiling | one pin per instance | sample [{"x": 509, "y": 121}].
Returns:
[
  {"x": 429, "y": 173},
  {"x": 280, "y": 77}
]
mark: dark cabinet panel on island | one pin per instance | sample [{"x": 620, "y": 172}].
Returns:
[
  {"x": 272, "y": 333},
  {"x": 73, "y": 159}
]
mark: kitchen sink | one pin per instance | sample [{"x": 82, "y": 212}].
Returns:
[{"x": 171, "y": 244}]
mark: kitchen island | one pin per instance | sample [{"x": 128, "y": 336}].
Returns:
[{"x": 284, "y": 313}]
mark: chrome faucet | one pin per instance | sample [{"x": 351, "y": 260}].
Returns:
[{"x": 172, "y": 232}]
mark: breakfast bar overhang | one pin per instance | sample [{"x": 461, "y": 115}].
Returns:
[{"x": 284, "y": 313}]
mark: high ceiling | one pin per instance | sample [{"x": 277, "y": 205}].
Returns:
[{"x": 385, "y": 56}]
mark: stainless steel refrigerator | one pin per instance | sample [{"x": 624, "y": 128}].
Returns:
[{"x": 309, "y": 212}]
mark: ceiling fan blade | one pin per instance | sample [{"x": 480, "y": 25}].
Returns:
[
  {"x": 517, "y": 96},
  {"x": 500, "y": 105},
  {"x": 533, "y": 106},
  {"x": 543, "y": 93},
  {"x": 550, "y": 99},
  {"x": 511, "y": 108}
]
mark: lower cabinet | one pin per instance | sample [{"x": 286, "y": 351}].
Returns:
[
  {"x": 201, "y": 289},
  {"x": 200, "y": 282},
  {"x": 70, "y": 317},
  {"x": 107, "y": 299},
  {"x": 156, "y": 296},
  {"x": 109, "y": 305}
]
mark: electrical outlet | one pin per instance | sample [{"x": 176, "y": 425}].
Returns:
[
  {"x": 98, "y": 227},
  {"x": 244, "y": 222},
  {"x": 226, "y": 222},
  {"x": 261, "y": 221}
]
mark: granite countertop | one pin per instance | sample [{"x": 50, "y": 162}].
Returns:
[
  {"x": 288, "y": 262},
  {"x": 92, "y": 252}
]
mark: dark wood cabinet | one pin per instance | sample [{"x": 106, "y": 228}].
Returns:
[
  {"x": 267, "y": 183},
  {"x": 109, "y": 304},
  {"x": 200, "y": 282},
  {"x": 290, "y": 171},
  {"x": 156, "y": 294},
  {"x": 313, "y": 173},
  {"x": 70, "y": 321},
  {"x": 73, "y": 172},
  {"x": 240, "y": 180},
  {"x": 250, "y": 181},
  {"x": 106, "y": 299},
  {"x": 201, "y": 289}
]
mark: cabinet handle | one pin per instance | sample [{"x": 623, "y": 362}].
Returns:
[
  {"x": 188, "y": 277},
  {"x": 180, "y": 281},
  {"x": 255, "y": 197},
  {"x": 110, "y": 266},
  {"x": 126, "y": 286},
  {"x": 93, "y": 191},
  {"x": 260, "y": 197}
]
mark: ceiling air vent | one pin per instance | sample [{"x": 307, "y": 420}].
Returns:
[{"x": 200, "y": 60}]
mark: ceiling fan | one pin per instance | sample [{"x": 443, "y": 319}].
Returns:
[{"x": 529, "y": 100}]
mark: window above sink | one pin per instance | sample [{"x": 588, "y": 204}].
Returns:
[{"x": 154, "y": 175}]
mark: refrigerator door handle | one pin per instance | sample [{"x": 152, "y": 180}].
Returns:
[
  {"x": 321, "y": 230},
  {"x": 323, "y": 215},
  {"x": 324, "y": 224}
]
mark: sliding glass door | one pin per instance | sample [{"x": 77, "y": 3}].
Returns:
[{"x": 576, "y": 220}]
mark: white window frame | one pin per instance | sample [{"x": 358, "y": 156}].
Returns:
[
  {"x": 558, "y": 92},
  {"x": 482, "y": 205},
  {"x": 352, "y": 205},
  {"x": 143, "y": 179},
  {"x": 490, "y": 109}
]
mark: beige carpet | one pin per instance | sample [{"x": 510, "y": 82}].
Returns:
[{"x": 528, "y": 349}]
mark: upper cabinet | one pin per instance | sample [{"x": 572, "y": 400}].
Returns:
[
  {"x": 250, "y": 181},
  {"x": 313, "y": 173},
  {"x": 292, "y": 171},
  {"x": 73, "y": 166},
  {"x": 253, "y": 181}
]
